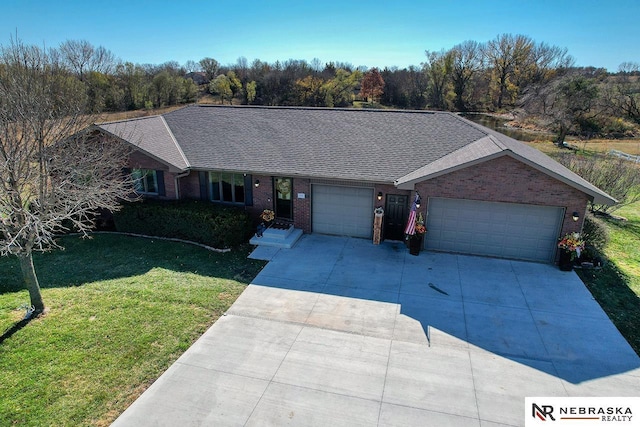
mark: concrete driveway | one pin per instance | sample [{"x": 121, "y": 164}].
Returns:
[{"x": 339, "y": 332}]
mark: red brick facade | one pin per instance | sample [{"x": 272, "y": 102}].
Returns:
[
  {"x": 500, "y": 180},
  {"x": 507, "y": 180}
]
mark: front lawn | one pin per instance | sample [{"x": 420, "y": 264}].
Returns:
[
  {"x": 122, "y": 309},
  {"x": 617, "y": 286}
]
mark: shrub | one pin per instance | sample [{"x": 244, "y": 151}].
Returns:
[
  {"x": 595, "y": 232},
  {"x": 618, "y": 177},
  {"x": 202, "y": 222}
]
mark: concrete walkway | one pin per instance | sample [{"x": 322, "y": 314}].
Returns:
[{"x": 339, "y": 332}]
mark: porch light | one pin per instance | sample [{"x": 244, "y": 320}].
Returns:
[
  {"x": 418, "y": 201},
  {"x": 257, "y": 183},
  {"x": 379, "y": 195},
  {"x": 575, "y": 216}
]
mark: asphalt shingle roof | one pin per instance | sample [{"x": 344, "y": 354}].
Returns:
[
  {"x": 370, "y": 145},
  {"x": 393, "y": 146},
  {"x": 152, "y": 136}
]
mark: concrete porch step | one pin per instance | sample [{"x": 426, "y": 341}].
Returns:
[{"x": 278, "y": 238}]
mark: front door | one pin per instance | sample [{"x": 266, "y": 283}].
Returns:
[
  {"x": 283, "y": 189},
  {"x": 395, "y": 215}
]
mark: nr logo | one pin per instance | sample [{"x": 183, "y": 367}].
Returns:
[{"x": 543, "y": 412}]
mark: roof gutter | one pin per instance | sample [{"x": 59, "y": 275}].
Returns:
[{"x": 176, "y": 178}]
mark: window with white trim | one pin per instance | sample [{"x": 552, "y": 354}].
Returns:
[{"x": 145, "y": 181}]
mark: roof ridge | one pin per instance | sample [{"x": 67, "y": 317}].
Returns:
[
  {"x": 306, "y": 108},
  {"x": 175, "y": 142}
]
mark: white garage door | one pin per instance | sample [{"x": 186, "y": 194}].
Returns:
[
  {"x": 343, "y": 211},
  {"x": 504, "y": 230}
]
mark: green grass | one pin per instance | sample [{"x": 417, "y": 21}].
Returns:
[
  {"x": 617, "y": 286},
  {"x": 121, "y": 310}
]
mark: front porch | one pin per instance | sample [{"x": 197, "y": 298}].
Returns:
[{"x": 279, "y": 235}]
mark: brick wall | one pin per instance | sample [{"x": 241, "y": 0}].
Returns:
[
  {"x": 190, "y": 186},
  {"x": 262, "y": 196},
  {"x": 507, "y": 180},
  {"x": 302, "y": 207},
  {"x": 387, "y": 189}
]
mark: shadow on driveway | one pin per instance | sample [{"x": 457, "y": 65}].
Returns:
[{"x": 533, "y": 314}]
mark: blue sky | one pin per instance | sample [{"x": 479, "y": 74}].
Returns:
[{"x": 370, "y": 33}]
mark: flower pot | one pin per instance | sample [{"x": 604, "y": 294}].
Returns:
[
  {"x": 415, "y": 244},
  {"x": 565, "y": 263}
]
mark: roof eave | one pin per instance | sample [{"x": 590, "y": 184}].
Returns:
[{"x": 596, "y": 196}]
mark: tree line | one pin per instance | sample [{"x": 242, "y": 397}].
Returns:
[{"x": 508, "y": 73}]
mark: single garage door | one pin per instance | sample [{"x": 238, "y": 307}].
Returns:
[
  {"x": 343, "y": 211},
  {"x": 504, "y": 230}
]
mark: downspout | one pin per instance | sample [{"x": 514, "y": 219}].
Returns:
[{"x": 182, "y": 175}]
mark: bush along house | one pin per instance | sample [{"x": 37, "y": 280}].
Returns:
[{"x": 326, "y": 171}]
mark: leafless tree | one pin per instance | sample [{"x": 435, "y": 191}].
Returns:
[
  {"x": 622, "y": 93},
  {"x": 55, "y": 171},
  {"x": 82, "y": 57}
]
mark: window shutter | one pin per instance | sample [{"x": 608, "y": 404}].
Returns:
[
  {"x": 160, "y": 178},
  {"x": 203, "y": 185},
  {"x": 248, "y": 190}
]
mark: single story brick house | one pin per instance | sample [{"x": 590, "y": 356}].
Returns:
[{"x": 326, "y": 170}]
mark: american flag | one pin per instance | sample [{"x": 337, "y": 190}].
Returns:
[{"x": 410, "y": 229}]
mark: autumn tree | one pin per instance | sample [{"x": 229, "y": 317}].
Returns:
[
  {"x": 466, "y": 63},
  {"x": 372, "y": 85},
  {"x": 505, "y": 54},
  {"x": 53, "y": 176},
  {"x": 309, "y": 91},
  {"x": 338, "y": 91}
]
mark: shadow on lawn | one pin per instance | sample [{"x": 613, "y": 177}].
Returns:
[
  {"x": 15, "y": 328},
  {"x": 106, "y": 257},
  {"x": 610, "y": 287}
]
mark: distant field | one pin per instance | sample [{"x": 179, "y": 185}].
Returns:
[{"x": 629, "y": 146}]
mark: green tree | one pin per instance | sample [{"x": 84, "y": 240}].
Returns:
[
  {"x": 250, "y": 90},
  {"x": 234, "y": 84},
  {"x": 222, "y": 87},
  {"x": 438, "y": 68},
  {"x": 132, "y": 80},
  {"x": 567, "y": 105},
  {"x": 210, "y": 67},
  {"x": 339, "y": 90}
]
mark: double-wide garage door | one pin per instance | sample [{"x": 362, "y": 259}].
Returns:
[
  {"x": 504, "y": 230},
  {"x": 342, "y": 211}
]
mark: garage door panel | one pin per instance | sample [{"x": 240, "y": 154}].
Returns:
[
  {"x": 343, "y": 211},
  {"x": 493, "y": 229}
]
